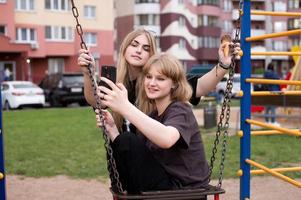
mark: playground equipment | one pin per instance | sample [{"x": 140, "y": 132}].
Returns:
[{"x": 245, "y": 132}]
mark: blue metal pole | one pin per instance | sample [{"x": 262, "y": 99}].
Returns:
[
  {"x": 2, "y": 171},
  {"x": 245, "y": 104}
]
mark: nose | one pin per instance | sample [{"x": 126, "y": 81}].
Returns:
[
  {"x": 152, "y": 81},
  {"x": 139, "y": 49}
]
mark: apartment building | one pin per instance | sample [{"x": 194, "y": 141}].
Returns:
[
  {"x": 39, "y": 36},
  {"x": 191, "y": 29}
]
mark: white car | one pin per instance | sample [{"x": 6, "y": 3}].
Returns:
[
  {"x": 221, "y": 86},
  {"x": 16, "y": 94}
]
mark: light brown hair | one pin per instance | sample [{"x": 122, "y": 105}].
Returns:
[
  {"x": 123, "y": 66},
  {"x": 171, "y": 67}
]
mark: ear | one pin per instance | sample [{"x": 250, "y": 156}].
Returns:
[{"x": 174, "y": 86}]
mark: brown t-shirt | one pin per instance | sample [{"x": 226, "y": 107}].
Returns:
[{"x": 185, "y": 161}]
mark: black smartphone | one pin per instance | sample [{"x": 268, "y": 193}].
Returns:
[{"x": 108, "y": 72}]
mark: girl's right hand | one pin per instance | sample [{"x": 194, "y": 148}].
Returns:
[
  {"x": 84, "y": 60},
  {"x": 109, "y": 123}
]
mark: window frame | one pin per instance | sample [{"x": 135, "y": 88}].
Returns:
[
  {"x": 29, "y": 33},
  {"x": 57, "y": 5},
  {"x": 90, "y": 12},
  {"x": 29, "y": 5},
  {"x": 59, "y": 33}
]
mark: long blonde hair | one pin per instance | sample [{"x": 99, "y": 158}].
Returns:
[
  {"x": 171, "y": 67},
  {"x": 123, "y": 66}
]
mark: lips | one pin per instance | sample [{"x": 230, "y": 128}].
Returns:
[
  {"x": 152, "y": 90},
  {"x": 136, "y": 57}
]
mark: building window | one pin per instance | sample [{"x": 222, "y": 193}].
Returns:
[
  {"x": 208, "y": 2},
  {"x": 279, "y": 45},
  {"x": 59, "y": 33},
  {"x": 294, "y": 4},
  {"x": 58, "y": 5},
  {"x": 227, "y": 5},
  {"x": 3, "y": 30},
  {"x": 90, "y": 12},
  {"x": 25, "y": 5},
  {"x": 294, "y": 23},
  {"x": 26, "y": 35},
  {"x": 208, "y": 42},
  {"x": 181, "y": 21},
  {"x": 144, "y": 20},
  {"x": 147, "y": 1},
  {"x": 207, "y": 20},
  {"x": 56, "y": 65},
  {"x": 279, "y": 26},
  {"x": 228, "y": 26},
  {"x": 295, "y": 42},
  {"x": 182, "y": 44},
  {"x": 279, "y": 6},
  {"x": 91, "y": 39}
]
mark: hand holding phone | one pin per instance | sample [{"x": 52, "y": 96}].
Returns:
[{"x": 108, "y": 72}]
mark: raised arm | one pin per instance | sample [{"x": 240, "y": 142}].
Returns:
[
  {"x": 117, "y": 100},
  {"x": 208, "y": 82},
  {"x": 84, "y": 59}
]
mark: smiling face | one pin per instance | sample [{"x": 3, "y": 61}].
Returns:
[
  {"x": 138, "y": 51},
  {"x": 157, "y": 86}
]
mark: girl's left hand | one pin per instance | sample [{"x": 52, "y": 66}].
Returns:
[
  {"x": 234, "y": 51},
  {"x": 109, "y": 123},
  {"x": 115, "y": 98}
]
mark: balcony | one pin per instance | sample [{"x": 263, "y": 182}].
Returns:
[{"x": 147, "y": 8}]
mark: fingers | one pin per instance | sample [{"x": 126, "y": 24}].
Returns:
[
  {"x": 109, "y": 82},
  {"x": 99, "y": 122},
  {"x": 84, "y": 58}
]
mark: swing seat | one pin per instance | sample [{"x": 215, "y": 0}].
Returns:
[{"x": 181, "y": 194}]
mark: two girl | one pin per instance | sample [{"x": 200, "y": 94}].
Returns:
[{"x": 167, "y": 152}]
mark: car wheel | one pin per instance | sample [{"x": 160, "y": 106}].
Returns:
[
  {"x": 6, "y": 106},
  {"x": 54, "y": 102},
  {"x": 82, "y": 103}
]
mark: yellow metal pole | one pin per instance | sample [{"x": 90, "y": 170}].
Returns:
[
  {"x": 283, "y": 130},
  {"x": 270, "y": 132},
  {"x": 1, "y": 176},
  {"x": 288, "y": 14},
  {"x": 280, "y": 53},
  {"x": 282, "y": 169},
  {"x": 272, "y": 81},
  {"x": 273, "y": 35},
  {"x": 274, "y": 173},
  {"x": 275, "y": 93}
]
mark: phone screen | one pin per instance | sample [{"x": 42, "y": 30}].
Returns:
[{"x": 108, "y": 72}]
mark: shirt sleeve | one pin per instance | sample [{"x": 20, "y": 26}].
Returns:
[
  {"x": 193, "y": 80},
  {"x": 179, "y": 118}
]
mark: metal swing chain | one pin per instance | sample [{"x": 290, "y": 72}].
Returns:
[
  {"x": 111, "y": 164},
  {"x": 225, "y": 107}
]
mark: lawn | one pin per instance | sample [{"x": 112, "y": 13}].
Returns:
[{"x": 49, "y": 142}]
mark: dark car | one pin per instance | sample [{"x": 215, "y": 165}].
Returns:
[{"x": 62, "y": 89}]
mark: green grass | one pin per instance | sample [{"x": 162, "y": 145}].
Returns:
[{"x": 49, "y": 142}]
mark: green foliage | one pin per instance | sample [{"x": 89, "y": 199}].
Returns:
[{"x": 49, "y": 142}]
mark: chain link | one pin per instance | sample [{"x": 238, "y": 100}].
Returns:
[
  {"x": 111, "y": 164},
  {"x": 223, "y": 128}
]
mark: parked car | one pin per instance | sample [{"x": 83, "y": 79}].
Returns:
[
  {"x": 62, "y": 89},
  {"x": 18, "y": 94},
  {"x": 221, "y": 86}
]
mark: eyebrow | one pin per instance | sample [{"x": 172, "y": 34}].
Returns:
[{"x": 144, "y": 45}]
